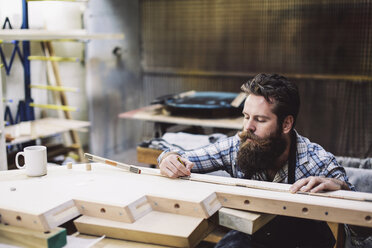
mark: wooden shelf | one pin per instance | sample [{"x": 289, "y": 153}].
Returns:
[
  {"x": 31, "y": 130},
  {"x": 38, "y": 35},
  {"x": 155, "y": 113}
]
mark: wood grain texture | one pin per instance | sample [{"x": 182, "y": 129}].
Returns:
[
  {"x": 244, "y": 221},
  {"x": 155, "y": 227},
  {"x": 24, "y": 237},
  {"x": 148, "y": 155}
]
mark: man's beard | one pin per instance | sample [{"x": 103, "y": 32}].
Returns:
[{"x": 257, "y": 154}]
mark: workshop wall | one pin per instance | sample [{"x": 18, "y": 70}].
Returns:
[{"x": 324, "y": 46}]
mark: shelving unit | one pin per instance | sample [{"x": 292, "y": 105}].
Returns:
[{"x": 25, "y": 112}]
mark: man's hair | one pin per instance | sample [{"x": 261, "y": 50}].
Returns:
[{"x": 278, "y": 90}]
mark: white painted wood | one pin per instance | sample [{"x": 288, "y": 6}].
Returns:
[{"x": 43, "y": 35}]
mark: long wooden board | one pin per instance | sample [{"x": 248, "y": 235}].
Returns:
[
  {"x": 44, "y": 202},
  {"x": 156, "y": 227}
]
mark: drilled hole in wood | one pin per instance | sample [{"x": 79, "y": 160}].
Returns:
[
  {"x": 368, "y": 218},
  {"x": 246, "y": 202},
  {"x": 305, "y": 210},
  {"x": 284, "y": 207},
  {"x": 103, "y": 210},
  {"x": 18, "y": 218},
  {"x": 326, "y": 213},
  {"x": 47, "y": 232},
  {"x": 176, "y": 205}
]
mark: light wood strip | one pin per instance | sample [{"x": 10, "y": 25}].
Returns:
[{"x": 40, "y": 35}]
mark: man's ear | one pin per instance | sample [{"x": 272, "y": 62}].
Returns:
[{"x": 287, "y": 124}]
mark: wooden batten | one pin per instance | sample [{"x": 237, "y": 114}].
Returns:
[
  {"x": 155, "y": 227},
  {"x": 313, "y": 210},
  {"x": 244, "y": 221},
  {"x": 24, "y": 237},
  {"x": 203, "y": 209}
]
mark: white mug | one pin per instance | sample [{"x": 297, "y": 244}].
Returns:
[{"x": 35, "y": 160}]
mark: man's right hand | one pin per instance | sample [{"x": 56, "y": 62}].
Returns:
[{"x": 170, "y": 166}]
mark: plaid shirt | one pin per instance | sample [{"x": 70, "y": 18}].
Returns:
[{"x": 311, "y": 160}]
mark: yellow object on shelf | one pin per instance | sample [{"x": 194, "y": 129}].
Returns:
[
  {"x": 54, "y": 88},
  {"x": 55, "y": 107},
  {"x": 54, "y": 58}
]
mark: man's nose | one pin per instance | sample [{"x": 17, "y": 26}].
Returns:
[{"x": 249, "y": 126}]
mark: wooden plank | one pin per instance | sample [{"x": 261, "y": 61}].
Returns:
[
  {"x": 244, "y": 221},
  {"x": 41, "y": 128},
  {"x": 24, "y": 237},
  {"x": 148, "y": 155},
  {"x": 155, "y": 227},
  {"x": 42, "y": 35},
  {"x": 155, "y": 113},
  {"x": 117, "y": 243}
]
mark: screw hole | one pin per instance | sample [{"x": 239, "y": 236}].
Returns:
[
  {"x": 284, "y": 207},
  {"x": 47, "y": 232},
  {"x": 18, "y": 218},
  {"x": 368, "y": 218},
  {"x": 246, "y": 202},
  {"x": 176, "y": 205},
  {"x": 103, "y": 210},
  {"x": 326, "y": 213},
  {"x": 305, "y": 210}
]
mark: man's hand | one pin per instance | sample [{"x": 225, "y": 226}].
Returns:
[
  {"x": 317, "y": 184},
  {"x": 170, "y": 166}
]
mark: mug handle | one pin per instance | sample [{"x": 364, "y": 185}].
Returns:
[{"x": 16, "y": 160}]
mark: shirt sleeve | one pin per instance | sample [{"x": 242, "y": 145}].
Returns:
[
  {"x": 334, "y": 170},
  {"x": 213, "y": 157}
]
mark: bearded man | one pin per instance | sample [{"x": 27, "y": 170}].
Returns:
[{"x": 268, "y": 149}]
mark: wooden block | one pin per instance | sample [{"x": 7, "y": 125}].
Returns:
[
  {"x": 24, "y": 237},
  {"x": 122, "y": 213},
  {"x": 203, "y": 209},
  {"x": 148, "y": 155},
  {"x": 155, "y": 227},
  {"x": 69, "y": 165},
  {"x": 244, "y": 221}
]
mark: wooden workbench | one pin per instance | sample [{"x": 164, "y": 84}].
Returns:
[{"x": 112, "y": 200}]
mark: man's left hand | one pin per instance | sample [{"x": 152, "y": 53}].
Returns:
[{"x": 317, "y": 184}]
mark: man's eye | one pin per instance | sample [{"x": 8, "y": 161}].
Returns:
[
  {"x": 246, "y": 117},
  {"x": 261, "y": 120}
]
